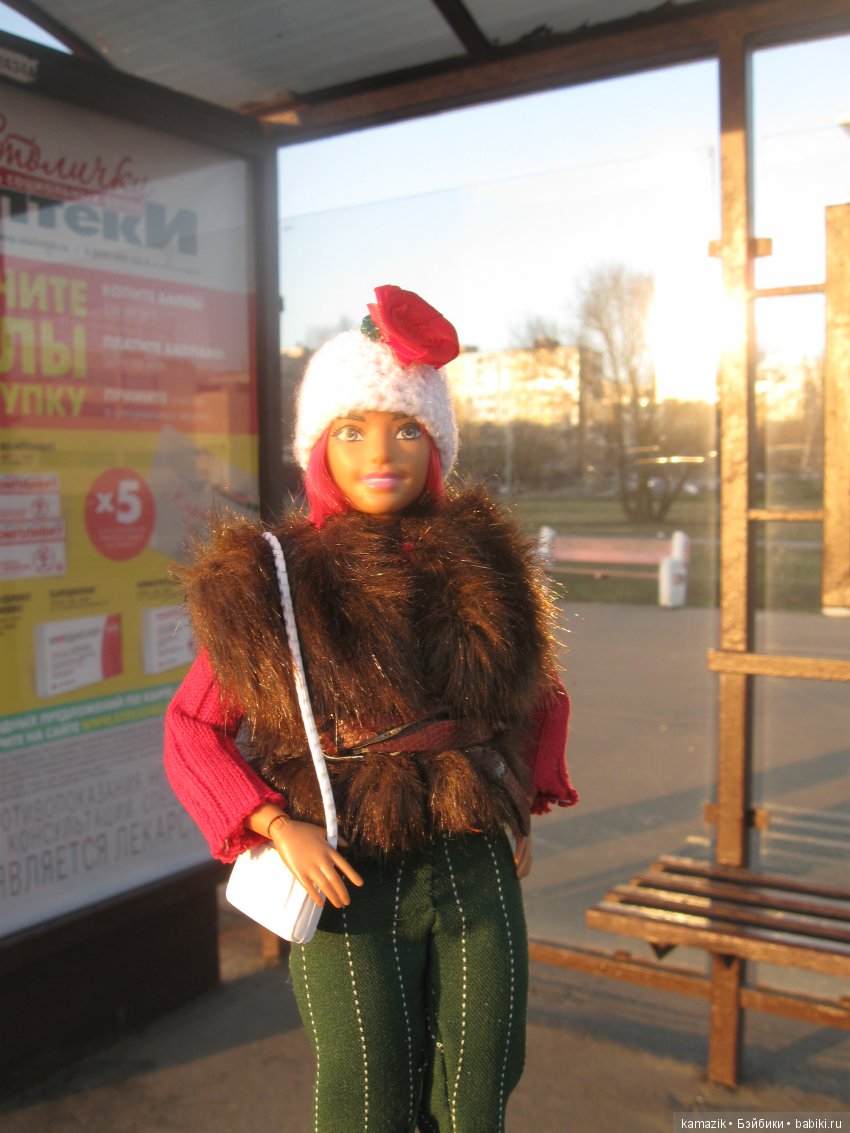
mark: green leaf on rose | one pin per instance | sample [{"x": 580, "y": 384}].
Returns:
[{"x": 368, "y": 328}]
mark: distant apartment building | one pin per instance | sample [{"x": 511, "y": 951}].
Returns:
[
  {"x": 540, "y": 385},
  {"x": 544, "y": 385}
]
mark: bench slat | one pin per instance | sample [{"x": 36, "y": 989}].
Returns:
[
  {"x": 722, "y": 891},
  {"x": 735, "y": 875},
  {"x": 667, "y": 929},
  {"x": 772, "y": 919},
  {"x": 601, "y": 572}
]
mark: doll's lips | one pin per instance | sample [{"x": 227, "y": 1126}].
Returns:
[{"x": 382, "y": 480}]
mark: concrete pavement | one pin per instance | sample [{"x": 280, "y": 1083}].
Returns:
[{"x": 603, "y": 1057}]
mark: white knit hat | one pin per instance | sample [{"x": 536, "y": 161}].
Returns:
[{"x": 354, "y": 371}]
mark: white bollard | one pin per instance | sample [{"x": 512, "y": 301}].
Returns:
[
  {"x": 680, "y": 547},
  {"x": 672, "y": 583},
  {"x": 546, "y": 545}
]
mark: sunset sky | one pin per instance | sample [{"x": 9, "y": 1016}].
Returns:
[{"x": 495, "y": 213}]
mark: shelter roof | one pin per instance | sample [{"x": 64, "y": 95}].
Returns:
[
  {"x": 269, "y": 58},
  {"x": 307, "y": 68}
]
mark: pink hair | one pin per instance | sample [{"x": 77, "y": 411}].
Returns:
[{"x": 326, "y": 499}]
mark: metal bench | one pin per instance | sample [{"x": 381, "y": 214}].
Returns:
[{"x": 737, "y": 914}]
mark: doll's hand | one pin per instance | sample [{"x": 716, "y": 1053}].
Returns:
[
  {"x": 314, "y": 862},
  {"x": 522, "y": 856}
]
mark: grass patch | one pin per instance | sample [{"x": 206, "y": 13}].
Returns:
[
  {"x": 602, "y": 515},
  {"x": 787, "y": 566}
]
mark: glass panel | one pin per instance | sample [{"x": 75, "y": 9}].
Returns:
[
  {"x": 801, "y": 764},
  {"x": 789, "y": 455},
  {"x": 790, "y": 334},
  {"x": 801, "y": 154},
  {"x": 642, "y": 756},
  {"x": 788, "y": 570},
  {"x": 791, "y": 624},
  {"x": 569, "y": 244},
  {"x": 801, "y": 739}
]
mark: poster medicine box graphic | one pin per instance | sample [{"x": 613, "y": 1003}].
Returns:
[{"x": 127, "y": 410}]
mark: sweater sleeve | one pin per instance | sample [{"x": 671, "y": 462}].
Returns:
[
  {"x": 205, "y": 767},
  {"x": 546, "y": 750}
]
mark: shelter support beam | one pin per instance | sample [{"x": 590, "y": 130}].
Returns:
[
  {"x": 669, "y": 34},
  {"x": 736, "y": 623},
  {"x": 836, "y": 488},
  {"x": 725, "y": 1020},
  {"x": 268, "y": 338}
]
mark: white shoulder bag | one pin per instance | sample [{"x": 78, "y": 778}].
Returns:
[{"x": 261, "y": 885}]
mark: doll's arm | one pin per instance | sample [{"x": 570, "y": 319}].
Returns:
[
  {"x": 304, "y": 849},
  {"x": 205, "y": 767},
  {"x": 546, "y": 750}
]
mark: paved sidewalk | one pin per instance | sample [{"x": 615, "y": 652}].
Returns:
[{"x": 603, "y": 1057}]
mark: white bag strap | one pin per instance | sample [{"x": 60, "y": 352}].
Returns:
[{"x": 301, "y": 688}]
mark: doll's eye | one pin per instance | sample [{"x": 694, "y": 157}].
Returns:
[
  {"x": 347, "y": 433},
  {"x": 410, "y": 431}
]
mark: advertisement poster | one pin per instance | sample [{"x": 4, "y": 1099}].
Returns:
[{"x": 127, "y": 412}]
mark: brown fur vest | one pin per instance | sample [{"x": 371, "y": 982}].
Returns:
[{"x": 397, "y": 617}]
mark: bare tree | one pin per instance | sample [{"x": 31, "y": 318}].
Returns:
[
  {"x": 614, "y": 304},
  {"x": 536, "y": 334}
]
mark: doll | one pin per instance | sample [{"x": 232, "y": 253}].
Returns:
[{"x": 426, "y": 630}]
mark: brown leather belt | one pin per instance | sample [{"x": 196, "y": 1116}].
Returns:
[{"x": 430, "y": 735}]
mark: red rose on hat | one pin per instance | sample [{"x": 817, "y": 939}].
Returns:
[{"x": 412, "y": 328}]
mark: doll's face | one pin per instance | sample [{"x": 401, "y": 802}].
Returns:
[{"x": 378, "y": 460}]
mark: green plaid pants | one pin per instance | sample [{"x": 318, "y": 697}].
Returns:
[{"x": 414, "y": 997}]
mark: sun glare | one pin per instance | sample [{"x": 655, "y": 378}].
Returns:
[{"x": 685, "y": 335}]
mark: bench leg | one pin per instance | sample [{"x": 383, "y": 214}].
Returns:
[{"x": 724, "y": 1042}]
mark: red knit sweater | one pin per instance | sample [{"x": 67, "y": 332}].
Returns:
[
  {"x": 205, "y": 767},
  {"x": 220, "y": 790}
]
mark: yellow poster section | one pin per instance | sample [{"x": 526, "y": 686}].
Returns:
[{"x": 128, "y": 502}]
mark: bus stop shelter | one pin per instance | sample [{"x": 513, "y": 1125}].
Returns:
[{"x": 139, "y": 182}]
